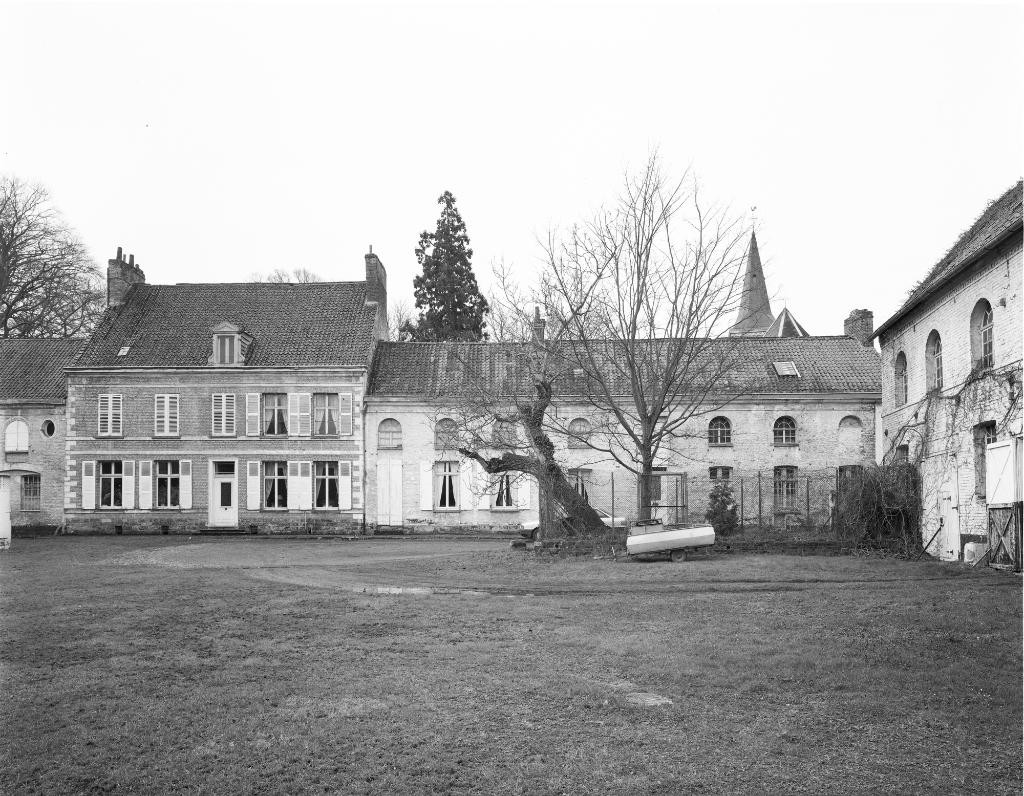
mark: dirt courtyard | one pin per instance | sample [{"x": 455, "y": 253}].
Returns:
[{"x": 141, "y": 665}]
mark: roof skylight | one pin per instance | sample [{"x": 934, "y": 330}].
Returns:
[{"x": 786, "y": 368}]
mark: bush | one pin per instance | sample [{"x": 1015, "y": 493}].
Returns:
[{"x": 721, "y": 511}]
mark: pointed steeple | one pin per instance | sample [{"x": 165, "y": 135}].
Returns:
[
  {"x": 755, "y": 313},
  {"x": 786, "y": 326}
]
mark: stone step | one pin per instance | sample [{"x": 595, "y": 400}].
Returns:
[{"x": 224, "y": 531}]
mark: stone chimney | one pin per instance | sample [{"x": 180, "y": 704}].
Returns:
[
  {"x": 121, "y": 275},
  {"x": 860, "y": 324},
  {"x": 538, "y": 324},
  {"x": 376, "y": 281}
]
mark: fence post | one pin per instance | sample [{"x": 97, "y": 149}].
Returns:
[
  {"x": 759, "y": 523},
  {"x": 807, "y": 500},
  {"x": 741, "y": 502},
  {"x": 613, "y": 499}
]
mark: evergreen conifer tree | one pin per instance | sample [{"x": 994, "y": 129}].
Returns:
[{"x": 450, "y": 304}]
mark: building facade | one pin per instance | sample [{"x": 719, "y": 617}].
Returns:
[
  {"x": 951, "y": 379},
  {"x": 32, "y": 396},
  {"x": 235, "y": 406}
]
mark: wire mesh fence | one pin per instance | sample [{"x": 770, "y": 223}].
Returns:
[{"x": 836, "y": 503}]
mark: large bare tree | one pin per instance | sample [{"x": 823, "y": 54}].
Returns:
[
  {"x": 282, "y": 276},
  {"x": 49, "y": 286},
  {"x": 643, "y": 294}
]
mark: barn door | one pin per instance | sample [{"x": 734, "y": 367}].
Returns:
[{"x": 950, "y": 536}]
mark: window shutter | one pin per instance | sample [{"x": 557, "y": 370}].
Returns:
[
  {"x": 344, "y": 485},
  {"x": 115, "y": 415},
  {"x": 103, "y": 416},
  {"x": 172, "y": 415},
  {"x": 185, "y": 483},
  {"x": 345, "y": 414},
  {"x": 467, "y": 497},
  {"x": 523, "y": 491},
  {"x": 158, "y": 415},
  {"x": 229, "y": 414},
  {"x": 88, "y": 485},
  {"x": 293, "y": 418},
  {"x": 293, "y": 483},
  {"x": 253, "y": 493},
  {"x": 252, "y": 415},
  {"x": 305, "y": 414},
  {"x": 217, "y": 414},
  {"x": 426, "y": 486},
  {"x": 306, "y": 486},
  {"x": 145, "y": 485},
  {"x": 128, "y": 485}
]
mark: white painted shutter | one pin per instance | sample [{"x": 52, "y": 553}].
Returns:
[
  {"x": 103, "y": 415},
  {"x": 345, "y": 485},
  {"x": 252, "y": 415},
  {"x": 172, "y": 415},
  {"x": 345, "y": 414},
  {"x": 467, "y": 495},
  {"x": 293, "y": 484},
  {"x": 185, "y": 483},
  {"x": 253, "y": 493},
  {"x": 145, "y": 485},
  {"x": 128, "y": 484},
  {"x": 426, "y": 486},
  {"x": 305, "y": 414},
  {"x": 523, "y": 491},
  {"x": 395, "y": 491},
  {"x": 293, "y": 416},
  {"x": 116, "y": 426},
  {"x": 88, "y": 485},
  {"x": 229, "y": 414},
  {"x": 305, "y": 486}
]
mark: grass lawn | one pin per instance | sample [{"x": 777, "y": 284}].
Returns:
[{"x": 150, "y": 665}]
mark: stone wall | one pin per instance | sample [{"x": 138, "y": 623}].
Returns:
[
  {"x": 938, "y": 428},
  {"x": 45, "y": 456}
]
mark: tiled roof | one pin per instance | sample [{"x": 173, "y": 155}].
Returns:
[
  {"x": 826, "y": 364},
  {"x": 315, "y": 324},
  {"x": 33, "y": 369},
  {"x": 786, "y": 326},
  {"x": 1001, "y": 219}
]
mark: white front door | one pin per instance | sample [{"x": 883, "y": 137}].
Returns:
[
  {"x": 389, "y": 492},
  {"x": 223, "y": 495}
]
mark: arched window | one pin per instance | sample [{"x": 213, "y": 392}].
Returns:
[
  {"x": 982, "y": 341},
  {"x": 16, "y": 436},
  {"x": 504, "y": 434},
  {"x": 720, "y": 431},
  {"x": 445, "y": 434},
  {"x": 389, "y": 434},
  {"x": 851, "y": 422},
  {"x": 900, "y": 373},
  {"x": 579, "y": 433},
  {"x": 933, "y": 361},
  {"x": 785, "y": 431}
]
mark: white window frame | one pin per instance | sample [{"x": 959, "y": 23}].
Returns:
[
  {"x": 217, "y": 340},
  {"x": 327, "y": 478},
  {"x": 168, "y": 413},
  {"x": 169, "y": 477},
  {"x": 16, "y": 436},
  {"x": 113, "y": 477},
  {"x": 447, "y": 469}
]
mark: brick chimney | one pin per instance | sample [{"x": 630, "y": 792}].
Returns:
[
  {"x": 121, "y": 275},
  {"x": 860, "y": 324},
  {"x": 376, "y": 281},
  {"x": 538, "y": 324}
]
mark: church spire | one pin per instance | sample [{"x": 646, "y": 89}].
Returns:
[{"x": 755, "y": 313}]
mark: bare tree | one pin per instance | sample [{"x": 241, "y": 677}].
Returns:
[
  {"x": 643, "y": 293},
  {"x": 282, "y": 276},
  {"x": 49, "y": 286},
  {"x": 400, "y": 315},
  {"x": 498, "y": 399}
]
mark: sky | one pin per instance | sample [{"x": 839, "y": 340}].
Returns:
[{"x": 218, "y": 140}]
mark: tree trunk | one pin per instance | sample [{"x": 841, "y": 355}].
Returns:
[{"x": 644, "y": 490}]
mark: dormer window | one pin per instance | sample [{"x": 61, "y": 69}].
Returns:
[
  {"x": 229, "y": 344},
  {"x": 226, "y": 348}
]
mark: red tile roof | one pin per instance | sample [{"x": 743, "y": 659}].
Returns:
[
  {"x": 319, "y": 324},
  {"x": 1001, "y": 220},
  {"x": 33, "y": 369}
]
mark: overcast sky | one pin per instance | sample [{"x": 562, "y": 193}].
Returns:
[{"x": 215, "y": 141}]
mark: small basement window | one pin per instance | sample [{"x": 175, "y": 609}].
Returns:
[{"x": 785, "y": 368}]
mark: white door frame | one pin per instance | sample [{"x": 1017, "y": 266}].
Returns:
[{"x": 215, "y": 518}]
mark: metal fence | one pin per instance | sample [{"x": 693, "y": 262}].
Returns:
[{"x": 782, "y": 498}]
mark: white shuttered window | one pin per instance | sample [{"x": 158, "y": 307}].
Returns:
[
  {"x": 223, "y": 415},
  {"x": 109, "y": 422},
  {"x": 165, "y": 415}
]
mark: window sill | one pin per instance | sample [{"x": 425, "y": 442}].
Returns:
[
  {"x": 506, "y": 509},
  {"x": 389, "y": 447},
  {"x": 167, "y": 436},
  {"x": 447, "y": 510},
  {"x": 719, "y": 444},
  {"x": 110, "y": 436},
  {"x": 787, "y": 444},
  {"x": 224, "y": 436}
]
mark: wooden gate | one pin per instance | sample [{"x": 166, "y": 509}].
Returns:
[{"x": 1004, "y": 536}]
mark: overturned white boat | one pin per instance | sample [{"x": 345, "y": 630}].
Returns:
[{"x": 650, "y": 536}]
